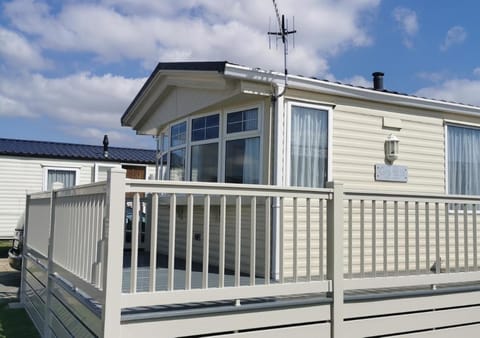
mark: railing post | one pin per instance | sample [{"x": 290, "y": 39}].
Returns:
[
  {"x": 113, "y": 234},
  {"x": 335, "y": 257},
  {"x": 53, "y": 196}
]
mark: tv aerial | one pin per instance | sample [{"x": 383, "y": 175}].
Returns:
[{"x": 282, "y": 35}]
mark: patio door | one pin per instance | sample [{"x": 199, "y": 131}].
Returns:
[{"x": 135, "y": 172}]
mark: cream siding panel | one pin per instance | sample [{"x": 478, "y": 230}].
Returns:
[
  {"x": 358, "y": 142},
  {"x": 22, "y": 175}
]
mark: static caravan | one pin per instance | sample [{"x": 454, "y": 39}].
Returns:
[
  {"x": 27, "y": 166},
  {"x": 281, "y": 207},
  {"x": 220, "y": 122}
]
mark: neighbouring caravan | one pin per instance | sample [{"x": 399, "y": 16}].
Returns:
[
  {"x": 27, "y": 166},
  {"x": 221, "y": 122}
]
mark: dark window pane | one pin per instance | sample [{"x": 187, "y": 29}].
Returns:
[
  {"x": 177, "y": 165},
  {"x": 211, "y": 132},
  {"x": 198, "y": 123},
  {"x": 201, "y": 125},
  {"x": 234, "y": 117},
  {"x": 205, "y": 163},
  {"x": 198, "y": 135},
  {"x": 178, "y": 134},
  {"x": 242, "y": 161},
  {"x": 242, "y": 121},
  {"x": 213, "y": 120}
]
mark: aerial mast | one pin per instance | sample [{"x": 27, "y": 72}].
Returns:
[{"x": 282, "y": 34}]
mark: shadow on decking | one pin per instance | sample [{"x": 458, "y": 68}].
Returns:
[{"x": 161, "y": 274}]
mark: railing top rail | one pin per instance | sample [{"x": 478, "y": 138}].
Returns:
[
  {"x": 143, "y": 186},
  {"x": 82, "y": 190},
  {"x": 39, "y": 195},
  {"x": 79, "y": 190},
  {"x": 432, "y": 198}
]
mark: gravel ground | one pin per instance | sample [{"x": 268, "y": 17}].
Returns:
[{"x": 9, "y": 281}]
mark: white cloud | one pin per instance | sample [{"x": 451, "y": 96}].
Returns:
[
  {"x": 358, "y": 80},
  {"x": 408, "y": 23},
  {"x": 144, "y": 32},
  {"x": 476, "y": 71},
  {"x": 76, "y": 102},
  {"x": 457, "y": 90},
  {"x": 433, "y": 76},
  {"x": 151, "y": 31},
  {"x": 18, "y": 52},
  {"x": 455, "y": 36}
]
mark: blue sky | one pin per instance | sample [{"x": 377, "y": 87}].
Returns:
[{"x": 69, "y": 69}]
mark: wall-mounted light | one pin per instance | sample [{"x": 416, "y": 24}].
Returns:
[{"x": 391, "y": 148}]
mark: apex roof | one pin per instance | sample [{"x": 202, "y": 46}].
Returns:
[{"x": 43, "y": 149}]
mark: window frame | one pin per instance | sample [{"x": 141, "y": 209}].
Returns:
[
  {"x": 243, "y": 135},
  {"x": 288, "y": 137},
  {"x": 46, "y": 169},
  {"x": 461, "y": 125},
  {"x": 221, "y": 140},
  {"x": 185, "y": 145},
  {"x": 191, "y": 143}
]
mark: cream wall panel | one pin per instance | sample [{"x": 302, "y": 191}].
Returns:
[{"x": 22, "y": 175}]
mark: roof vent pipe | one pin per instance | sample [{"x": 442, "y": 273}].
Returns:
[
  {"x": 378, "y": 80},
  {"x": 105, "y": 146}
]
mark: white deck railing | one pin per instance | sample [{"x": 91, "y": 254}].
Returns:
[{"x": 214, "y": 242}]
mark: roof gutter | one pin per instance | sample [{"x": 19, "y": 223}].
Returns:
[{"x": 338, "y": 89}]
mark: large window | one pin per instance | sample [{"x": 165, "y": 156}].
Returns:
[
  {"x": 204, "y": 149},
  {"x": 308, "y": 146},
  {"x": 178, "y": 135},
  {"x": 66, "y": 176},
  {"x": 213, "y": 148},
  {"x": 463, "y": 156}
]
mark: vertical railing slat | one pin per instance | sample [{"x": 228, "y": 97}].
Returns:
[
  {"x": 407, "y": 238},
  {"x": 374, "y": 238},
  {"x": 171, "y": 242},
  {"x": 417, "y": 237},
  {"x": 362, "y": 238},
  {"x": 253, "y": 238},
  {"x": 385, "y": 252},
  {"x": 221, "y": 255},
  {"x": 308, "y": 239},
  {"x": 281, "y": 244},
  {"x": 457, "y": 242},
  {"x": 134, "y": 248},
  {"x": 474, "y": 235},
  {"x": 437, "y": 237},
  {"x": 238, "y": 238},
  {"x": 447, "y": 238},
  {"x": 350, "y": 239},
  {"x": 465, "y": 237},
  {"x": 321, "y": 239},
  {"x": 189, "y": 243},
  {"x": 268, "y": 203},
  {"x": 153, "y": 243},
  {"x": 295, "y": 239},
  {"x": 206, "y": 240},
  {"x": 395, "y": 236},
  {"x": 427, "y": 236}
]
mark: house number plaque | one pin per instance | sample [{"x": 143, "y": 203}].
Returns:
[{"x": 391, "y": 173}]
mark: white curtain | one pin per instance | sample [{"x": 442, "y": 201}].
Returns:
[
  {"x": 67, "y": 177},
  {"x": 251, "y": 161},
  {"x": 308, "y": 147},
  {"x": 463, "y": 160}
]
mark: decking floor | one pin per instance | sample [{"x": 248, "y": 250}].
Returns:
[{"x": 161, "y": 273}]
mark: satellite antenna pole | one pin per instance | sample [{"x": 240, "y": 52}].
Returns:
[{"x": 282, "y": 33}]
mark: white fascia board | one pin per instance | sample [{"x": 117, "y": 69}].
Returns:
[{"x": 343, "y": 90}]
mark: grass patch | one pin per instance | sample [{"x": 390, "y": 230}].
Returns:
[
  {"x": 15, "y": 323},
  {"x": 5, "y": 245}
]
